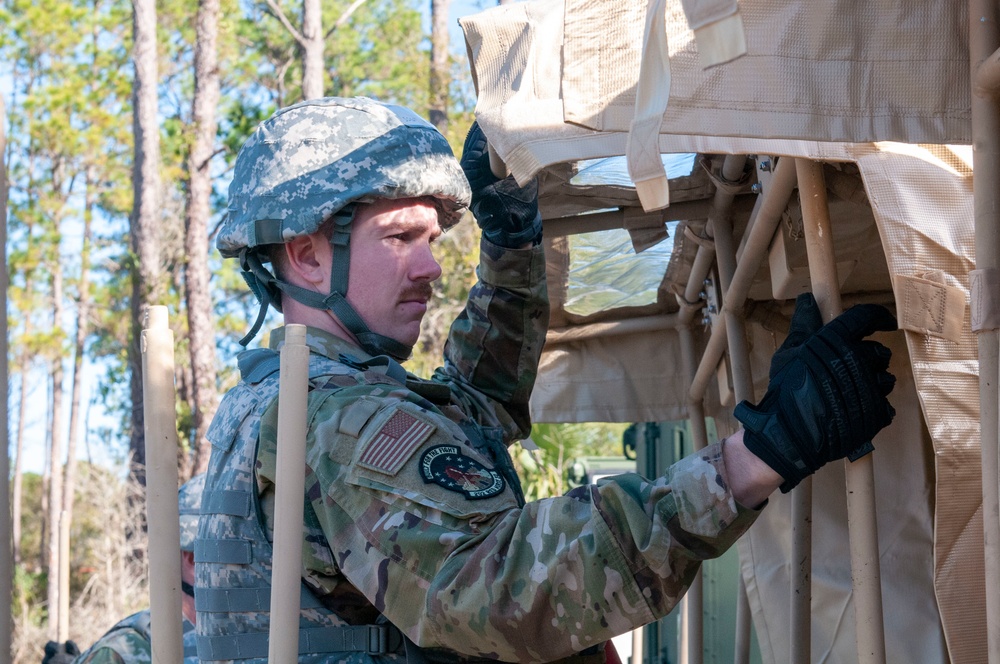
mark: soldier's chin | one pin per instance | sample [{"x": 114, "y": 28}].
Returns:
[{"x": 408, "y": 334}]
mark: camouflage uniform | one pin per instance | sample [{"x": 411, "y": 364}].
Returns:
[
  {"x": 413, "y": 512},
  {"x": 128, "y": 643}
]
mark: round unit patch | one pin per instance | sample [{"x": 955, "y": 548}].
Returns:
[{"x": 447, "y": 466}]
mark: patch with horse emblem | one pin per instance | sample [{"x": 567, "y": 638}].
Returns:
[{"x": 447, "y": 466}]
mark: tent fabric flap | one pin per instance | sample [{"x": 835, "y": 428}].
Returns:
[{"x": 564, "y": 73}]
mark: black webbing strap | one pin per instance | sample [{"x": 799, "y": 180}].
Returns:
[{"x": 269, "y": 289}]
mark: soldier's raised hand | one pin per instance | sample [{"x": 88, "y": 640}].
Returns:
[
  {"x": 827, "y": 395},
  {"x": 507, "y": 212}
]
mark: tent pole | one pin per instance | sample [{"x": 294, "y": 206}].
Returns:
[
  {"x": 742, "y": 650},
  {"x": 860, "y": 475},
  {"x": 162, "y": 513},
  {"x": 759, "y": 235},
  {"x": 692, "y": 632},
  {"x": 800, "y": 601},
  {"x": 984, "y": 56},
  {"x": 692, "y": 636},
  {"x": 283, "y": 645},
  {"x": 760, "y": 232},
  {"x": 739, "y": 358}
]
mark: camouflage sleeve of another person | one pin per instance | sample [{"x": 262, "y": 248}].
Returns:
[
  {"x": 478, "y": 575},
  {"x": 491, "y": 357},
  {"x": 121, "y": 647}
]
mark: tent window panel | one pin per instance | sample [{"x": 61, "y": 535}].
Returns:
[
  {"x": 606, "y": 273},
  {"x": 614, "y": 171}
]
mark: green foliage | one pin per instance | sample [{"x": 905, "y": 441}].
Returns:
[
  {"x": 28, "y": 595},
  {"x": 68, "y": 144},
  {"x": 544, "y": 472},
  {"x": 382, "y": 53}
]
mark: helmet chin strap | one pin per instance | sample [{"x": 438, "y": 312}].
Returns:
[{"x": 270, "y": 290}]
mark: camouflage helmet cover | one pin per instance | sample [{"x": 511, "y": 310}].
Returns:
[
  {"x": 189, "y": 507},
  {"x": 309, "y": 160}
]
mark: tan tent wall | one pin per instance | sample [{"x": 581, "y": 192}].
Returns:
[{"x": 921, "y": 198}]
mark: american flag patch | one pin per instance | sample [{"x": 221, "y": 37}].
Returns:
[{"x": 394, "y": 443}]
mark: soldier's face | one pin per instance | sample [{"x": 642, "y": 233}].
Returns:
[{"x": 392, "y": 266}]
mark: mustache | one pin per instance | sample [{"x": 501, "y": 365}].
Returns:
[{"x": 421, "y": 291}]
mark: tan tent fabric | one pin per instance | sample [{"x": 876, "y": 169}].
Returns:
[
  {"x": 549, "y": 94},
  {"x": 718, "y": 30},
  {"x": 922, "y": 199},
  {"x": 557, "y": 84},
  {"x": 986, "y": 300},
  {"x": 927, "y": 306},
  {"x": 631, "y": 378},
  {"x": 905, "y": 498},
  {"x": 652, "y": 91}
]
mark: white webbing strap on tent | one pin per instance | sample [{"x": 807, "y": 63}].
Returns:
[
  {"x": 652, "y": 92},
  {"x": 985, "y": 287},
  {"x": 718, "y": 30}
]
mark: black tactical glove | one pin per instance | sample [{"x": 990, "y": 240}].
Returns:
[
  {"x": 60, "y": 653},
  {"x": 507, "y": 213},
  {"x": 827, "y": 393}
]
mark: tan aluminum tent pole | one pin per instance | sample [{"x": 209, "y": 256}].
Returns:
[
  {"x": 286, "y": 577},
  {"x": 759, "y": 235},
  {"x": 739, "y": 359},
  {"x": 739, "y": 353},
  {"x": 6, "y": 551},
  {"x": 692, "y": 635},
  {"x": 741, "y": 653},
  {"x": 984, "y": 56},
  {"x": 693, "y": 631},
  {"x": 160, "y": 435},
  {"x": 866, "y": 573}
]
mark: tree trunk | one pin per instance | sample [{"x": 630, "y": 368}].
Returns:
[
  {"x": 201, "y": 332},
  {"x": 312, "y": 49},
  {"x": 145, "y": 210},
  {"x": 6, "y": 568},
  {"x": 43, "y": 509},
  {"x": 17, "y": 490},
  {"x": 56, "y": 619},
  {"x": 440, "y": 76},
  {"x": 82, "y": 314}
]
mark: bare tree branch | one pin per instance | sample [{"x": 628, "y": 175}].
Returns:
[
  {"x": 343, "y": 17},
  {"x": 280, "y": 15}
]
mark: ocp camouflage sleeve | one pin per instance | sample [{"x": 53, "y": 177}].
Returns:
[
  {"x": 491, "y": 357},
  {"x": 120, "y": 647},
  {"x": 488, "y": 579},
  {"x": 409, "y": 515}
]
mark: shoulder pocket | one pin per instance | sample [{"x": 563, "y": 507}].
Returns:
[{"x": 408, "y": 454}]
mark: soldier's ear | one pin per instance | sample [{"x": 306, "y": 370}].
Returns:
[{"x": 309, "y": 261}]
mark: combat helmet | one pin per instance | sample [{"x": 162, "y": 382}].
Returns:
[{"x": 316, "y": 161}]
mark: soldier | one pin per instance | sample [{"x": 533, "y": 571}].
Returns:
[
  {"x": 418, "y": 545},
  {"x": 128, "y": 642}
]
